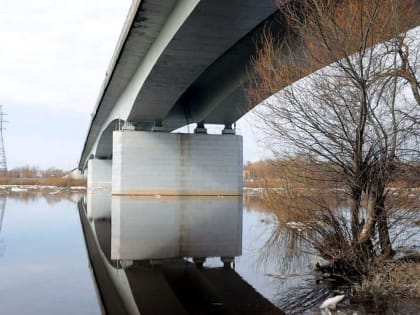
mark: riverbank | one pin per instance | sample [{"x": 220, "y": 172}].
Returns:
[
  {"x": 395, "y": 279},
  {"x": 44, "y": 188},
  {"x": 41, "y": 182},
  {"x": 391, "y": 278}
]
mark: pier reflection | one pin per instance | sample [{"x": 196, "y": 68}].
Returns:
[
  {"x": 3, "y": 200},
  {"x": 161, "y": 228},
  {"x": 140, "y": 250}
]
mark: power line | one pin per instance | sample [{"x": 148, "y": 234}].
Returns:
[{"x": 3, "y": 163}]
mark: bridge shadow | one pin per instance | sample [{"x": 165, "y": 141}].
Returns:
[{"x": 146, "y": 255}]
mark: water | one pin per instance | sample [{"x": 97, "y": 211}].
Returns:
[
  {"x": 141, "y": 251},
  {"x": 43, "y": 264},
  {"x": 160, "y": 238}
]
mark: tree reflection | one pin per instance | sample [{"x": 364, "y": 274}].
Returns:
[{"x": 50, "y": 195}]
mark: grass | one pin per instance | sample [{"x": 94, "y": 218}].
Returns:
[{"x": 390, "y": 278}]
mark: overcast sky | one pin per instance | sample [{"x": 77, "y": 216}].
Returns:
[{"x": 53, "y": 59}]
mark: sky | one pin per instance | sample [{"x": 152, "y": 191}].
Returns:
[{"x": 53, "y": 59}]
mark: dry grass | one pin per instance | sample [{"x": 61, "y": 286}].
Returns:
[
  {"x": 319, "y": 218},
  {"x": 51, "y": 181},
  {"x": 390, "y": 278}
]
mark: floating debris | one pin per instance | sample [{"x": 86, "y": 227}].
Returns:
[
  {"x": 331, "y": 303},
  {"x": 282, "y": 276},
  {"x": 18, "y": 189}
]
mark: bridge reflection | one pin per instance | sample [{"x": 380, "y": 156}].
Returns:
[
  {"x": 151, "y": 228},
  {"x": 3, "y": 200},
  {"x": 140, "y": 250}
]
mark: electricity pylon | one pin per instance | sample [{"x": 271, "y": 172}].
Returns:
[{"x": 3, "y": 164}]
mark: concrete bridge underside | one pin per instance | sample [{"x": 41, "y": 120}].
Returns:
[{"x": 176, "y": 63}]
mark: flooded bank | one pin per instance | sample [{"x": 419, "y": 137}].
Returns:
[{"x": 48, "y": 267}]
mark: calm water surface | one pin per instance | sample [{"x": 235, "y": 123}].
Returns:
[{"x": 45, "y": 267}]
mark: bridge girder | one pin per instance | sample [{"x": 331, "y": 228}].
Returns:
[{"x": 167, "y": 61}]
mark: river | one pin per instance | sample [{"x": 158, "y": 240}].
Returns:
[{"x": 68, "y": 252}]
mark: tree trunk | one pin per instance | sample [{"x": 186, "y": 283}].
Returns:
[
  {"x": 383, "y": 231},
  {"x": 384, "y": 239},
  {"x": 355, "y": 209},
  {"x": 369, "y": 227}
]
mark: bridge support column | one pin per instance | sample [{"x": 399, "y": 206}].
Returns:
[
  {"x": 200, "y": 128},
  {"x": 99, "y": 174},
  {"x": 149, "y": 163}
]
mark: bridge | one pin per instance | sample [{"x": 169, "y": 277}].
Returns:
[{"x": 176, "y": 63}]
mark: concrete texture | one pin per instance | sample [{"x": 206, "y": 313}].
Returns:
[
  {"x": 147, "y": 163},
  {"x": 99, "y": 174},
  {"x": 170, "y": 58},
  {"x": 175, "y": 227},
  {"x": 98, "y": 204}
]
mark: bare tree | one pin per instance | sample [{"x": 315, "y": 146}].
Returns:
[{"x": 358, "y": 116}]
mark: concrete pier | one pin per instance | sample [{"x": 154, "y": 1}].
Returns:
[
  {"x": 99, "y": 174},
  {"x": 158, "y": 163}
]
